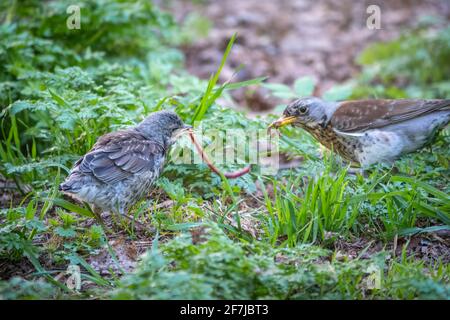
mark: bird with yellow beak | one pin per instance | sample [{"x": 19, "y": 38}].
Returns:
[{"x": 369, "y": 131}]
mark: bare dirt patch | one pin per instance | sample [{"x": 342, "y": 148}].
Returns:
[{"x": 286, "y": 39}]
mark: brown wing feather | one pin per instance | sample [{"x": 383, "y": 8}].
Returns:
[
  {"x": 361, "y": 115},
  {"x": 118, "y": 155}
]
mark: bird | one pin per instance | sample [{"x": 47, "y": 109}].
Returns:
[
  {"x": 122, "y": 166},
  {"x": 365, "y": 132}
]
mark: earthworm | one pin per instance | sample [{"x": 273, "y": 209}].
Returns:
[{"x": 230, "y": 175}]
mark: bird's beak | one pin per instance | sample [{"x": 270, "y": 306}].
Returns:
[
  {"x": 282, "y": 122},
  {"x": 186, "y": 128}
]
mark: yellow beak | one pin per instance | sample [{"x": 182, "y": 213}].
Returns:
[{"x": 282, "y": 122}]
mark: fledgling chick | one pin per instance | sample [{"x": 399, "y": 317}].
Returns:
[{"x": 122, "y": 166}]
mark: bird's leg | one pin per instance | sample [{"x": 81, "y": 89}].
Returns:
[
  {"x": 356, "y": 169},
  {"x": 97, "y": 214},
  {"x": 115, "y": 214},
  {"x": 394, "y": 170},
  {"x": 138, "y": 225}
]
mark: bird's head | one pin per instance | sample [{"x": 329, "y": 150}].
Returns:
[
  {"x": 308, "y": 113},
  {"x": 163, "y": 124}
]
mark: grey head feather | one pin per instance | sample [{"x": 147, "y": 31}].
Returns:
[
  {"x": 311, "y": 111},
  {"x": 161, "y": 126}
]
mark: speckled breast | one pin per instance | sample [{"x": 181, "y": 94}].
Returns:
[
  {"x": 345, "y": 147},
  {"x": 138, "y": 187}
]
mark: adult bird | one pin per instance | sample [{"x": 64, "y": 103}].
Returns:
[
  {"x": 369, "y": 131},
  {"x": 122, "y": 166}
]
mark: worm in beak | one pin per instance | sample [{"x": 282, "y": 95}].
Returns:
[
  {"x": 185, "y": 129},
  {"x": 283, "y": 121}
]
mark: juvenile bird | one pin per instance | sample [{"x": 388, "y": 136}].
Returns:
[
  {"x": 121, "y": 167},
  {"x": 369, "y": 131}
]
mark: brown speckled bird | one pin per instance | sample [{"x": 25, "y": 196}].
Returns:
[
  {"x": 369, "y": 131},
  {"x": 121, "y": 167}
]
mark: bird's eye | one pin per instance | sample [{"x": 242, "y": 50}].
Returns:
[{"x": 303, "y": 110}]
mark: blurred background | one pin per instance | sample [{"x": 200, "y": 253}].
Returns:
[{"x": 289, "y": 39}]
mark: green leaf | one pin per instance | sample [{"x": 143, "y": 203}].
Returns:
[
  {"x": 246, "y": 83},
  {"x": 183, "y": 226},
  {"x": 58, "y": 99},
  {"x": 65, "y": 232},
  {"x": 338, "y": 93},
  {"x": 72, "y": 207},
  {"x": 96, "y": 277},
  {"x": 416, "y": 230},
  {"x": 304, "y": 86},
  {"x": 207, "y": 100},
  {"x": 280, "y": 90}
]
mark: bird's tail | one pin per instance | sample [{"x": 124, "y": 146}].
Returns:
[{"x": 71, "y": 185}]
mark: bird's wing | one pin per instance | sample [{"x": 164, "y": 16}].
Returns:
[
  {"x": 118, "y": 155},
  {"x": 362, "y": 115}
]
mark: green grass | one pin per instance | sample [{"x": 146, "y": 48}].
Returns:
[
  {"x": 288, "y": 236},
  {"x": 305, "y": 212},
  {"x": 218, "y": 268}
]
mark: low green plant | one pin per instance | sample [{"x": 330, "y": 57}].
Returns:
[
  {"x": 305, "y": 212},
  {"x": 20, "y": 289},
  {"x": 206, "y": 264},
  {"x": 255, "y": 237},
  {"x": 413, "y": 66}
]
